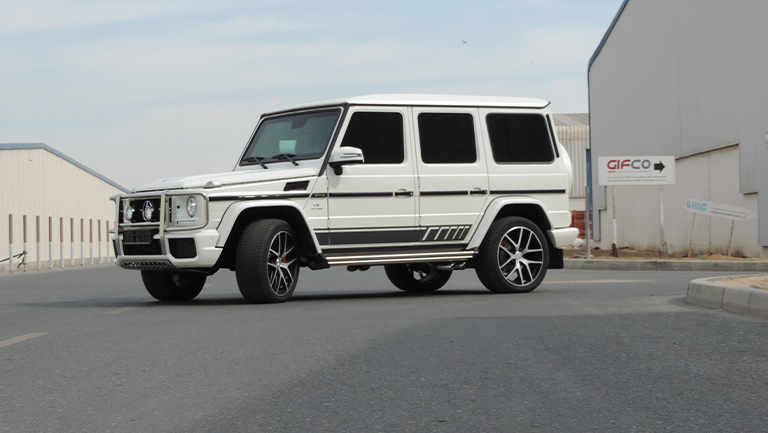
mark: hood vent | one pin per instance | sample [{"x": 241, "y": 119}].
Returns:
[{"x": 296, "y": 186}]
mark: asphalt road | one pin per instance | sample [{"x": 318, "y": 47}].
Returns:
[{"x": 87, "y": 350}]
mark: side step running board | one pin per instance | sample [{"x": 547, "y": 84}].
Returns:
[{"x": 386, "y": 259}]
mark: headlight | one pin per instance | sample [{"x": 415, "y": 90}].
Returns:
[
  {"x": 191, "y": 206},
  {"x": 188, "y": 211},
  {"x": 148, "y": 211}
]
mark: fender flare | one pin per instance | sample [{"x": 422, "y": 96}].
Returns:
[
  {"x": 235, "y": 210},
  {"x": 493, "y": 210}
]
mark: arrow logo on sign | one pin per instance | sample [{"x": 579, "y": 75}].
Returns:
[{"x": 658, "y": 166}]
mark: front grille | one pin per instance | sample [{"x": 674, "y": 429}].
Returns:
[
  {"x": 138, "y": 237},
  {"x": 182, "y": 248},
  {"x": 141, "y": 243}
]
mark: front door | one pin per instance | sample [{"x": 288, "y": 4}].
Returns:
[{"x": 373, "y": 204}]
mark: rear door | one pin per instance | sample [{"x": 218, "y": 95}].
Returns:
[{"x": 453, "y": 179}]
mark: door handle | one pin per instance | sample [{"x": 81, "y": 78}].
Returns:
[
  {"x": 478, "y": 191},
  {"x": 403, "y": 193}
]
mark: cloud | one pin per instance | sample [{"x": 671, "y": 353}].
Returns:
[
  {"x": 45, "y": 15},
  {"x": 170, "y": 141},
  {"x": 570, "y": 47},
  {"x": 151, "y": 78}
]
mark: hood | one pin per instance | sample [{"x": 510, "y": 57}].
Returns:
[{"x": 227, "y": 178}]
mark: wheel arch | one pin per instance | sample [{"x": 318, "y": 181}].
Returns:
[
  {"x": 240, "y": 215},
  {"x": 530, "y": 209}
]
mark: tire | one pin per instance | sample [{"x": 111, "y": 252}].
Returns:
[
  {"x": 173, "y": 286},
  {"x": 417, "y": 277},
  {"x": 267, "y": 262},
  {"x": 513, "y": 257}
]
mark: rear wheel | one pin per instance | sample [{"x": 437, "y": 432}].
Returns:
[
  {"x": 417, "y": 277},
  {"x": 513, "y": 257},
  {"x": 267, "y": 263},
  {"x": 173, "y": 286}
]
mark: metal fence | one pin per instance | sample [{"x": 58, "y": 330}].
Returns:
[{"x": 21, "y": 260}]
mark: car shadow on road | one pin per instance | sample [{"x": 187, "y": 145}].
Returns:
[{"x": 114, "y": 305}]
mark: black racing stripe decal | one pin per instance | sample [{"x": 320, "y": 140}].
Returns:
[
  {"x": 368, "y": 237},
  {"x": 443, "y": 233},
  {"x": 361, "y": 194},
  {"x": 529, "y": 191},
  {"x": 436, "y": 193},
  {"x": 256, "y": 197}
]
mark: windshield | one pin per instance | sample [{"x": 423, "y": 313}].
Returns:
[{"x": 292, "y": 137}]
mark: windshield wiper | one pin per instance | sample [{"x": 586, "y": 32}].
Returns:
[
  {"x": 256, "y": 159},
  {"x": 288, "y": 156}
]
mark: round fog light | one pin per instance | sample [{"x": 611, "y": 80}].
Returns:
[
  {"x": 191, "y": 206},
  {"x": 148, "y": 211},
  {"x": 128, "y": 214}
]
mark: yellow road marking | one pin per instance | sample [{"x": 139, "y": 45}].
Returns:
[
  {"x": 123, "y": 310},
  {"x": 596, "y": 281},
  {"x": 24, "y": 337}
]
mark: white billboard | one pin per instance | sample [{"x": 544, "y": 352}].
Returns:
[{"x": 635, "y": 170}]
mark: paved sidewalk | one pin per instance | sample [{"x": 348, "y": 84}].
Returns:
[{"x": 667, "y": 265}]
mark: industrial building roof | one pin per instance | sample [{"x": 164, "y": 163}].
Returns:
[
  {"x": 22, "y": 146},
  {"x": 607, "y": 33},
  {"x": 571, "y": 119}
]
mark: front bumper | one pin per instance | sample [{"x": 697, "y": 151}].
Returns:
[
  {"x": 164, "y": 238},
  {"x": 195, "y": 250}
]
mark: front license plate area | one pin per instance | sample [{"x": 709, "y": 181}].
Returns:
[{"x": 137, "y": 237}]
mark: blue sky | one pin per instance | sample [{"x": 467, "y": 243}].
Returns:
[{"x": 140, "y": 90}]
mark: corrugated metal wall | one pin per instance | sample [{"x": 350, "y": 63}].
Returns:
[
  {"x": 575, "y": 139},
  {"x": 683, "y": 77},
  {"x": 38, "y": 183}
]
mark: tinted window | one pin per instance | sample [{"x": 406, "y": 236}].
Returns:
[
  {"x": 447, "y": 138},
  {"x": 378, "y": 135},
  {"x": 519, "y": 138},
  {"x": 303, "y": 136}
]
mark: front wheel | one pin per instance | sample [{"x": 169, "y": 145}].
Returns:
[
  {"x": 267, "y": 263},
  {"x": 173, "y": 286},
  {"x": 417, "y": 277},
  {"x": 513, "y": 257}
]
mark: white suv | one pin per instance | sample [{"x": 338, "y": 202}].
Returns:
[{"x": 421, "y": 184}]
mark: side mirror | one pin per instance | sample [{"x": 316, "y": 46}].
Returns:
[{"x": 344, "y": 156}]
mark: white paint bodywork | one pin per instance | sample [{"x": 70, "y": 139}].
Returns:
[{"x": 396, "y": 205}]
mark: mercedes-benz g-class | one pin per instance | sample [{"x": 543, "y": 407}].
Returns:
[{"x": 421, "y": 184}]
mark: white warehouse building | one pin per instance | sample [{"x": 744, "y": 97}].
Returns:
[
  {"x": 63, "y": 205},
  {"x": 687, "y": 78}
]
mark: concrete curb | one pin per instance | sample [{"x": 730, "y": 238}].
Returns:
[
  {"x": 666, "y": 265},
  {"x": 736, "y": 299}
]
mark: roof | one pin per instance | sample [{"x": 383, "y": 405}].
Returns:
[
  {"x": 43, "y": 146},
  {"x": 607, "y": 33},
  {"x": 571, "y": 119},
  {"x": 426, "y": 100}
]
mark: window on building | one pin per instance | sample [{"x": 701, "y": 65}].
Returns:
[
  {"x": 378, "y": 135},
  {"x": 447, "y": 138},
  {"x": 519, "y": 138}
]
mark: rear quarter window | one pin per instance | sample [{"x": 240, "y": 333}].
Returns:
[{"x": 518, "y": 138}]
